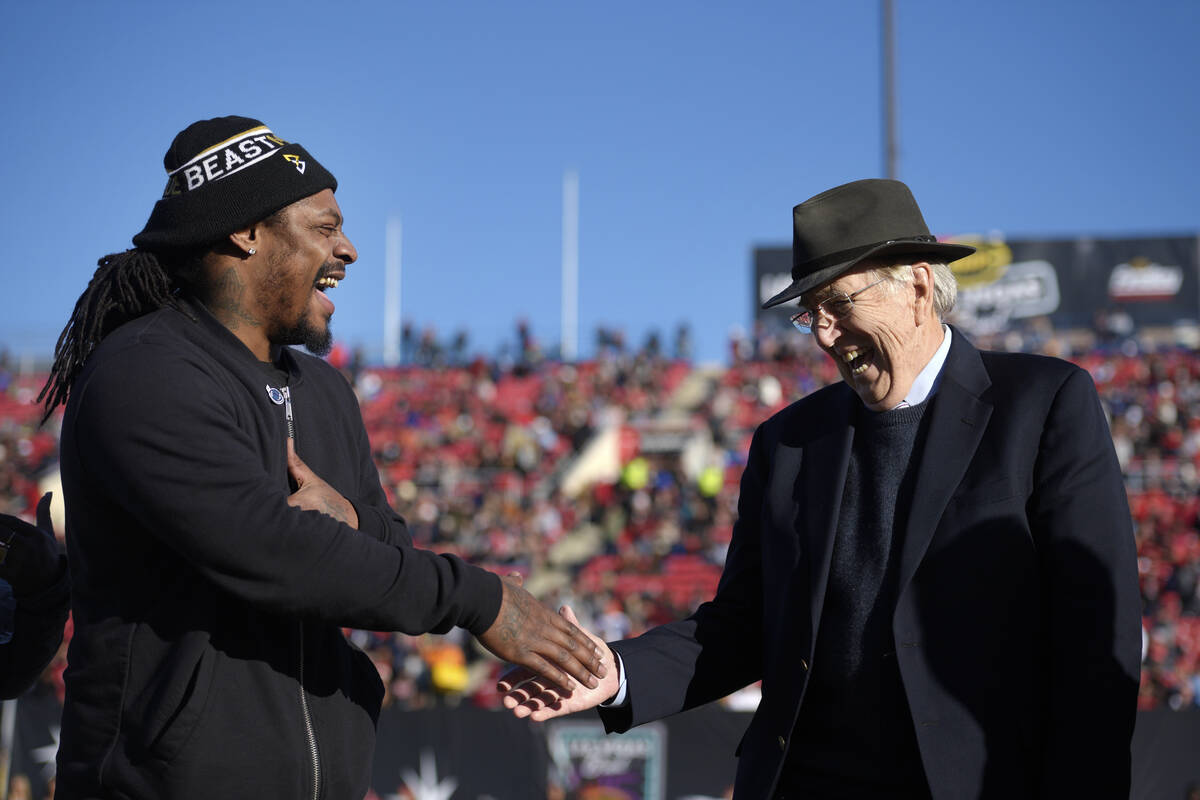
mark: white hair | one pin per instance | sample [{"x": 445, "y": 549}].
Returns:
[{"x": 945, "y": 286}]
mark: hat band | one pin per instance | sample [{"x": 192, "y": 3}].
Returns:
[
  {"x": 852, "y": 254},
  {"x": 223, "y": 159}
]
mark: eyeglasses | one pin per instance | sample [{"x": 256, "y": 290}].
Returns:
[{"x": 836, "y": 307}]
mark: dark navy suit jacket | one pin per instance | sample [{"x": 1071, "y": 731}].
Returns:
[{"x": 1017, "y": 625}]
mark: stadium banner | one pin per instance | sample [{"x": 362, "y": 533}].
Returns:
[
  {"x": 460, "y": 753},
  {"x": 1155, "y": 281},
  {"x": 467, "y": 753},
  {"x": 588, "y": 763}
]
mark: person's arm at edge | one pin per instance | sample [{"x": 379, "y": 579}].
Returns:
[{"x": 41, "y": 610}]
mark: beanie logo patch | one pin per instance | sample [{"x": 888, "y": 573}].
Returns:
[
  {"x": 224, "y": 159},
  {"x": 295, "y": 161}
]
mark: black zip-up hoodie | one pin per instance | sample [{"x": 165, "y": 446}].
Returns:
[{"x": 207, "y": 658}]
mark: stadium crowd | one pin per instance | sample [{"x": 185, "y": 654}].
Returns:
[{"x": 478, "y": 455}]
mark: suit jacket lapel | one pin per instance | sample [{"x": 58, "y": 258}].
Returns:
[
  {"x": 819, "y": 494},
  {"x": 957, "y": 421}
]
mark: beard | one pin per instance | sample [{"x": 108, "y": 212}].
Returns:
[{"x": 317, "y": 340}]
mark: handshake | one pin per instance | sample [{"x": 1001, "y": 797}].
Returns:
[{"x": 542, "y": 693}]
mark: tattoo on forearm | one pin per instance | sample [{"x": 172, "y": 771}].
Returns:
[
  {"x": 333, "y": 510},
  {"x": 516, "y": 615}
]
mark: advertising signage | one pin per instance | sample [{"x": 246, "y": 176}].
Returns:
[{"x": 1156, "y": 281}]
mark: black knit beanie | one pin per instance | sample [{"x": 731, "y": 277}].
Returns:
[{"x": 224, "y": 174}]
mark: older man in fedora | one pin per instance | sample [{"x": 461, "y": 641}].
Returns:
[{"x": 933, "y": 570}]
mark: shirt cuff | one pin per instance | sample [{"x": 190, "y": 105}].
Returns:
[{"x": 621, "y": 698}]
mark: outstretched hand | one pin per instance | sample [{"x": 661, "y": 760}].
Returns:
[
  {"x": 29, "y": 558},
  {"x": 528, "y": 694},
  {"x": 314, "y": 494},
  {"x": 536, "y": 639}
]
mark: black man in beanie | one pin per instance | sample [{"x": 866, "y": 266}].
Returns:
[{"x": 224, "y": 518}]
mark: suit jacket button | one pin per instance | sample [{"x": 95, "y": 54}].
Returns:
[
  {"x": 782, "y": 743},
  {"x": 803, "y": 665}
]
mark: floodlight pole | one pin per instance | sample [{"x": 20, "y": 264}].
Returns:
[
  {"x": 889, "y": 91},
  {"x": 569, "y": 345},
  {"x": 391, "y": 294}
]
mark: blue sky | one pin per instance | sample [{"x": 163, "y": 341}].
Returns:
[{"x": 694, "y": 128}]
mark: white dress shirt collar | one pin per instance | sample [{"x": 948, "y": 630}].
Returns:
[{"x": 928, "y": 378}]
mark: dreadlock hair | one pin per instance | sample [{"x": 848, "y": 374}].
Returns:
[{"x": 125, "y": 286}]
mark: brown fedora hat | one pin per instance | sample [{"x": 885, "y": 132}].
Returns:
[{"x": 839, "y": 228}]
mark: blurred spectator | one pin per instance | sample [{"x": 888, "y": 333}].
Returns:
[{"x": 473, "y": 454}]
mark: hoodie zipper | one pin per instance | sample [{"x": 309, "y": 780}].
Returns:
[
  {"x": 309, "y": 731},
  {"x": 287, "y": 412},
  {"x": 308, "y": 725}
]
